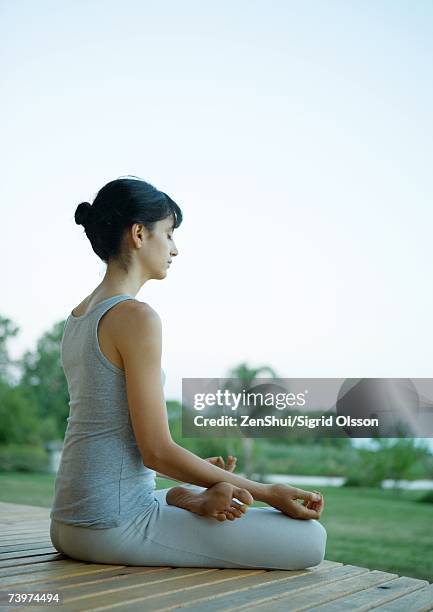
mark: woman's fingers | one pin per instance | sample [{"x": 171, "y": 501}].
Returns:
[
  {"x": 312, "y": 503},
  {"x": 218, "y": 461},
  {"x": 308, "y": 496},
  {"x": 231, "y": 463},
  {"x": 307, "y": 513},
  {"x": 317, "y": 506}
]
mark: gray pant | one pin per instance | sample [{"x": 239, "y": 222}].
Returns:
[{"x": 164, "y": 535}]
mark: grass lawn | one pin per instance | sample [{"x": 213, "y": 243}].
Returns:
[{"x": 371, "y": 528}]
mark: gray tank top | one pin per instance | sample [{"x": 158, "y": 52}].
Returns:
[{"x": 101, "y": 481}]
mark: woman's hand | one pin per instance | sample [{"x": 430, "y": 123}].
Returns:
[
  {"x": 219, "y": 462},
  {"x": 283, "y": 497},
  {"x": 317, "y": 505}
]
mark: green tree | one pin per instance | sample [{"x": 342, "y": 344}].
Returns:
[
  {"x": 247, "y": 379},
  {"x": 19, "y": 419},
  {"x": 393, "y": 459},
  {"x": 7, "y": 330},
  {"x": 43, "y": 381},
  {"x": 21, "y": 423},
  {"x": 400, "y": 456}
]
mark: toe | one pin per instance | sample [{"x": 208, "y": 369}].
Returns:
[
  {"x": 243, "y": 495},
  {"x": 236, "y": 509}
]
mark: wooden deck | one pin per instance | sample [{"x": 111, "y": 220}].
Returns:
[{"x": 29, "y": 563}]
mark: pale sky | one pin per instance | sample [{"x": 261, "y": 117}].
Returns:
[{"x": 296, "y": 137}]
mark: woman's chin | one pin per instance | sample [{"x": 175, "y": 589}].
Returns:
[{"x": 161, "y": 275}]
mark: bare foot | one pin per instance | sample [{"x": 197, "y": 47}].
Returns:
[{"x": 216, "y": 502}]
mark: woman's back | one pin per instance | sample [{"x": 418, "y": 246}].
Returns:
[{"x": 101, "y": 481}]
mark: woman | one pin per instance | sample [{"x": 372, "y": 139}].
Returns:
[{"x": 106, "y": 508}]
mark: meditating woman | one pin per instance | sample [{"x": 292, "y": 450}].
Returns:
[{"x": 106, "y": 508}]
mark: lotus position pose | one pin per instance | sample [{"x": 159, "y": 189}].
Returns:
[{"x": 106, "y": 508}]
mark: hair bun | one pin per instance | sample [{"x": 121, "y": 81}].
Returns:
[{"x": 82, "y": 213}]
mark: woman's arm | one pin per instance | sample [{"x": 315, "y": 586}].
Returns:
[{"x": 218, "y": 461}]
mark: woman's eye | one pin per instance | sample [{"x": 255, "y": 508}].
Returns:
[{"x": 170, "y": 236}]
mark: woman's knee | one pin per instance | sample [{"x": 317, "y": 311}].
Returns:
[{"x": 316, "y": 547}]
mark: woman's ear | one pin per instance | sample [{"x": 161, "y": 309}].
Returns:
[{"x": 138, "y": 234}]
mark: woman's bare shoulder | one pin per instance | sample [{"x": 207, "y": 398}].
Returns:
[
  {"x": 135, "y": 330},
  {"x": 140, "y": 308},
  {"x": 134, "y": 314}
]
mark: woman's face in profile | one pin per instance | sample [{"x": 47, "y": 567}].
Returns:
[{"x": 159, "y": 248}]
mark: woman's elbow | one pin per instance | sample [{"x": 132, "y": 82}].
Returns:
[{"x": 156, "y": 458}]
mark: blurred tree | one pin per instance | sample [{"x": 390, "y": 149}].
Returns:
[
  {"x": 400, "y": 456},
  {"x": 21, "y": 422},
  {"x": 247, "y": 380},
  {"x": 43, "y": 381},
  {"x": 393, "y": 459},
  {"x": 19, "y": 419},
  {"x": 7, "y": 330}
]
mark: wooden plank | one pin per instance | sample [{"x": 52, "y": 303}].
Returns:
[
  {"x": 24, "y": 524},
  {"x": 370, "y": 598},
  {"x": 109, "y": 577},
  {"x": 17, "y": 561},
  {"x": 85, "y": 575},
  {"x": 25, "y": 546},
  {"x": 18, "y": 554},
  {"x": 20, "y": 526},
  {"x": 77, "y": 569},
  {"x": 6, "y": 508},
  {"x": 15, "y": 516},
  {"x": 24, "y": 530},
  {"x": 44, "y": 570},
  {"x": 27, "y": 537},
  {"x": 418, "y": 601},
  {"x": 245, "y": 598},
  {"x": 14, "y": 570},
  {"x": 32, "y": 534}
]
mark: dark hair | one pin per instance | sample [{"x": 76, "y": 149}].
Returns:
[{"x": 116, "y": 207}]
